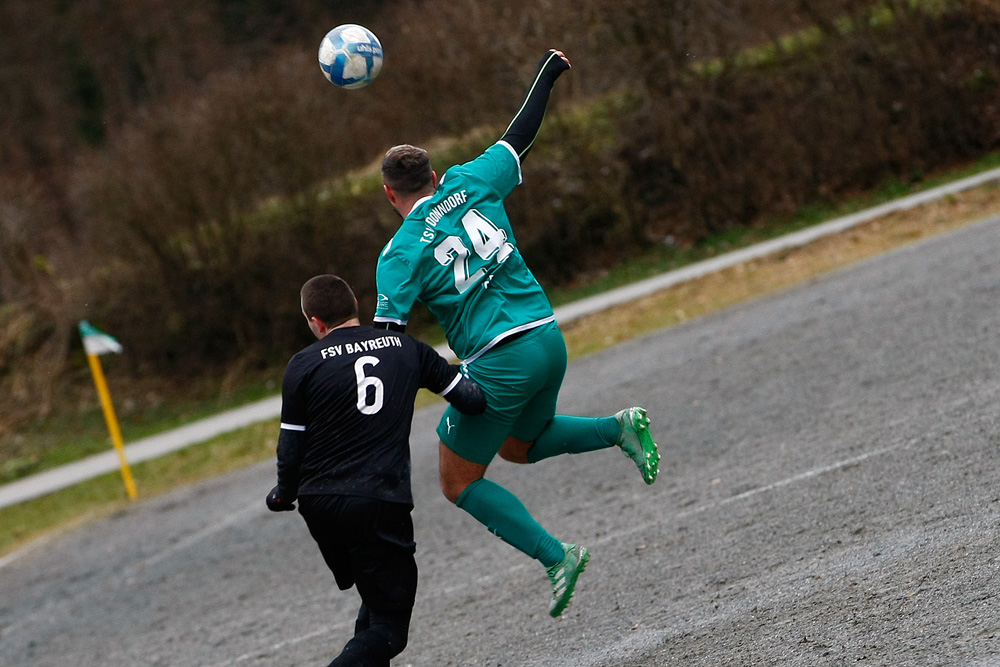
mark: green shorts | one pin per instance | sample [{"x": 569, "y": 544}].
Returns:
[{"x": 521, "y": 380}]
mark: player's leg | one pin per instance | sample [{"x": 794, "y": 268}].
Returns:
[
  {"x": 384, "y": 638},
  {"x": 457, "y": 473},
  {"x": 495, "y": 507},
  {"x": 329, "y": 522},
  {"x": 535, "y": 431},
  {"x": 377, "y": 557},
  {"x": 386, "y": 575},
  {"x": 539, "y": 433},
  {"x": 628, "y": 430},
  {"x": 506, "y": 517},
  {"x": 562, "y": 434},
  {"x": 511, "y": 377},
  {"x": 365, "y": 647},
  {"x": 364, "y": 621}
]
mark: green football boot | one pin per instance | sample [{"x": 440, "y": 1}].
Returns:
[
  {"x": 564, "y": 575},
  {"x": 637, "y": 442}
]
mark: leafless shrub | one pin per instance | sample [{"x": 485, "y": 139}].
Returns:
[
  {"x": 214, "y": 193},
  {"x": 876, "y": 100}
]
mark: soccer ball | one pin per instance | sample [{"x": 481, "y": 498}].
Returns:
[{"x": 350, "y": 56}]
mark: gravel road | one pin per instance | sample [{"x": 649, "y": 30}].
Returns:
[{"x": 829, "y": 495}]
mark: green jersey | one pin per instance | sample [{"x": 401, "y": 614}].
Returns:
[{"x": 455, "y": 252}]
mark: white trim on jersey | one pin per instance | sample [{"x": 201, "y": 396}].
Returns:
[
  {"x": 293, "y": 427},
  {"x": 520, "y": 176},
  {"x": 390, "y": 320},
  {"x": 454, "y": 383},
  {"x": 510, "y": 332}
]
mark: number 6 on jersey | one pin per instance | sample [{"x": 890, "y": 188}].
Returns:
[{"x": 364, "y": 382}]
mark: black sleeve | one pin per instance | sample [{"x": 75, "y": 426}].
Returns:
[
  {"x": 521, "y": 132},
  {"x": 467, "y": 397},
  {"x": 448, "y": 381},
  {"x": 290, "y": 446}
]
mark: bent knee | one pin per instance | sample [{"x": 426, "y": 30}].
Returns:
[
  {"x": 457, "y": 473},
  {"x": 454, "y": 485},
  {"x": 514, "y": 456},
  {"x": 452, "y": 490},
  {"x": 515, "y": 451}
]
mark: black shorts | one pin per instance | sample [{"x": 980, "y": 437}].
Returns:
[{"x": 367, "y": 543}]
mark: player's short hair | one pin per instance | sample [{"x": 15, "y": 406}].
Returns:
[
  {"x": 406, "y": 169},
  {"x": 329, "y": 299}
]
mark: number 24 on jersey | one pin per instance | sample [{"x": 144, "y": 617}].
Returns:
[{"x": 489, "y": 242}]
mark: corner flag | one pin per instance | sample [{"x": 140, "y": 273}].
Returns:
[{"x": 96, "y": 343}]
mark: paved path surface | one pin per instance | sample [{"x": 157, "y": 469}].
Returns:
[
  {"x": 828, "y": 497},
  {"x": 269, "y": 408}
]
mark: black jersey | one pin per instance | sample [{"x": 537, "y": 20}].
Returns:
[{"x": 351, "y": 395}]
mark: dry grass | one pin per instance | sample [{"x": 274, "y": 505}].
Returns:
[
  {"x": 103, "y": 496},
  {"x": 770, "y": 274}
]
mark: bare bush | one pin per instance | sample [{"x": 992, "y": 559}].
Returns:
[
  {"x": 40, "y": 297},
  {"x": 716, "y": 148},
  {"x": 213, "y": 193}
]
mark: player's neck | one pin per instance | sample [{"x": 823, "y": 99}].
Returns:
[
  {"x": 324, "y": 331},
  {"x": 406, "y": 206},
  {"x": 353, "y": 322}
]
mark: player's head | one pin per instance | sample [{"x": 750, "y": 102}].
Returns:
[
  {"x": 406, "y": 169},
  {"x": 328, "y": 302}
]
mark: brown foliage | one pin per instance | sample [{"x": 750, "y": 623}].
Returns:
[
  {"x": 874, "y": 103},
  {"x": 186, "y": 195}
]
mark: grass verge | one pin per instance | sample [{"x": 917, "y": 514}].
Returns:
[{"x": 105, "y": 495}]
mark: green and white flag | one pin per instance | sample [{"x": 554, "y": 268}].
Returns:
[{"x": 96, "y": 342}]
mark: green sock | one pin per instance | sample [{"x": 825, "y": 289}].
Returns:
[
  {"x": 506, "y": 517},
  {"x": 574, "y": 435}
]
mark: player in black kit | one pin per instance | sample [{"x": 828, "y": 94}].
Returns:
[{"x": 344, "y": 454}]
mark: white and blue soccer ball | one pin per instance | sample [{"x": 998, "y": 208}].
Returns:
[{"x": 350, "y": 56}]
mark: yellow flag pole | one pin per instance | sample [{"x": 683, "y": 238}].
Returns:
[{"x": 112, "y": 421}]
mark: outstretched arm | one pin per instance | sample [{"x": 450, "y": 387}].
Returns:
[{"x": 521, "y": 132}]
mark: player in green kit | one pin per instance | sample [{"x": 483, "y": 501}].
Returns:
[{"x": 455, "y": 252}]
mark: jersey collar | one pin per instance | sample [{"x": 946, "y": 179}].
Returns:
[{"x": 420, "y": 202}]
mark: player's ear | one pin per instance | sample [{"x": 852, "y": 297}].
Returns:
[
  {"x": 318, "y": 327},
  {"x": 434, "y": 180},
  {"x": 390, "y": 194}
]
